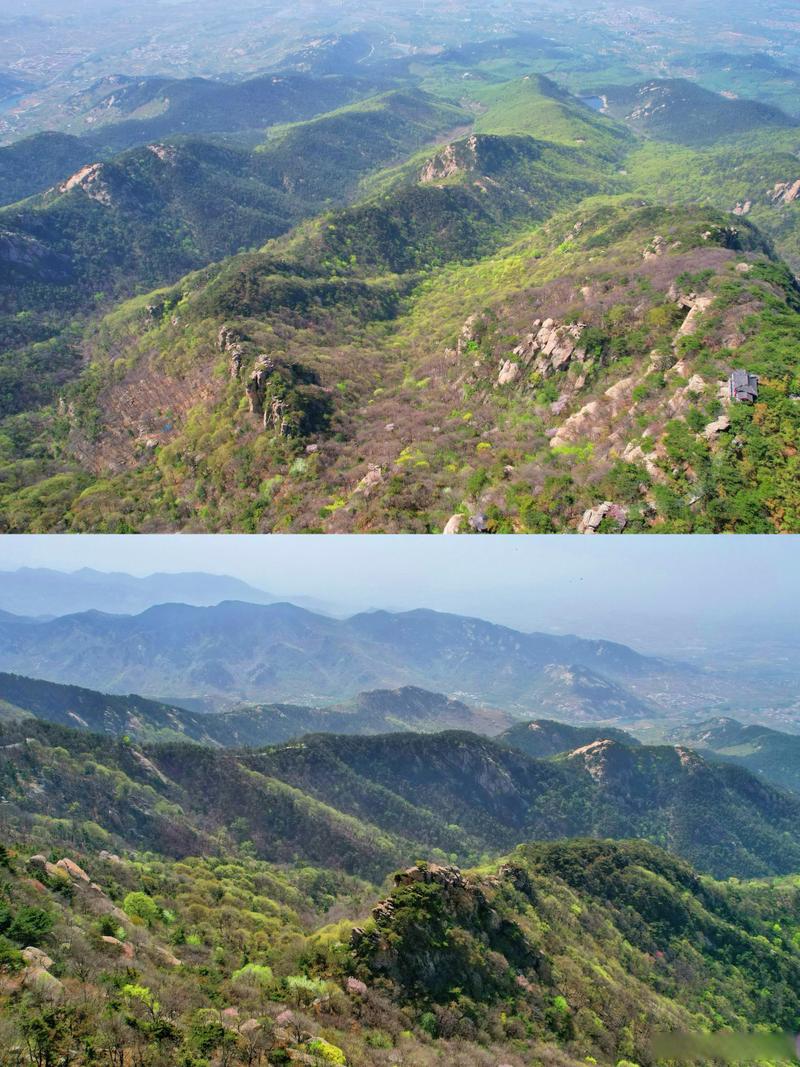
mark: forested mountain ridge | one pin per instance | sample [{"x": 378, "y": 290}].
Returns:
[
  {"x": 769, "y": 753},
  {"x": 555, "y": 952},
  {"x": 245, "y": 651},
  {"x": 529, "y": 328},
  {"x": 365, "y": 804},
  {"x": 379, "y": 711}
]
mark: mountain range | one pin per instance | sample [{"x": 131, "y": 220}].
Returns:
[
  {"x": 441, "y": 323},
  {"x": 379, "y": 711},
  {"x": 364, "y": 804},
  {"x": 280, "y": 652},
  {"x": 769, "y": 753}
]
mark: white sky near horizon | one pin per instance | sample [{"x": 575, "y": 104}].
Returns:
[{"x": 638, "y": 589}]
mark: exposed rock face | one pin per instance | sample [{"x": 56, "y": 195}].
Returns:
[
  {"x": 420, "y": 956},
  {"x": 36, "y": 958},
  {"x": 593, "y": 518},
  {"x": 229, "y": 340},
  {"x": 91, "y": 180},
  {"x": 42, "y": 983},
  {"x": 50, "y": 870},
  {"x": 371, "y": 479},
  {"x": 256, "y": 384},
  {"x": 785, "y": 192},
  {"x": 123, "y": 947},
  {"x": 577, "y": 427},
  {"x": 551, "y": 346},
  {"x": 696, "y": 306},
  {"x": 20, "y": 252},
  {"x": 470, "y": 333},
  {"x": 165, "y": 152},
  {"x": 453, "y": 524},
  {"x": 509, "y": 373},
  {"x": 717, "y": 427},
  {"x": 430, "y": 873},
  {"x": 442, "y": 166},
  {"x": 657, "y": 247},
  {"x": 743, "y": 208},
  {"x": 73, "y": 870}
]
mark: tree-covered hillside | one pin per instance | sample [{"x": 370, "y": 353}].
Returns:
[
  {"x": 560, "y": 955},
  {"x": 524, "y": 319},
  {"x": 367, "y": 803}
]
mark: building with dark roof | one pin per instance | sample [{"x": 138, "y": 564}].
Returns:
[{"x": 743, "y": 386}]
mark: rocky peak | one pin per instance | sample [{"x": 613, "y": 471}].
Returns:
[
  {"x": 453, "y": 158},
  {"x": 91, "y": 179}
]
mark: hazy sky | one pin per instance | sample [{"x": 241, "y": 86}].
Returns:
[{"x": 654, "y": 592}]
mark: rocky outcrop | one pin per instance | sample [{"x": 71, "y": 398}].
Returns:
[
  {"x": 442, "y": 166},
  {"x": 695, "y": 306},
  {"x": 593, "y": 517},
  {"x": 230, "y": 341},
  {"x": 453, "y": 524},
  {"x": 35, "y": 957},
  {"x": 657, "y": 247},
  {"x": 551, "y": 347},
  {"x": 73, "y": 870},
  {"x": 257, "y": 384},
  {"x": 785, "y": 192},
  {"x": 23, "y": 254},
  {"x": 715, "y": 428},
  {"x": 509, "y": 373},
  {"x": 439, "y": 927},
  {"x": 470, "y": 334},
  {"x": 91, "y": 180},
  {"x": 577, "y": 427},
  {"x": 371, "y": 479}
]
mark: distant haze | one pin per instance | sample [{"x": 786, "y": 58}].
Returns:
[{"x": 668, "y": 594}]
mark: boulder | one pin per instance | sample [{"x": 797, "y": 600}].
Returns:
[
  {"x": 167, "y": 957},
  {"x": 509, "y": 372},
  {"x": 42, "y": 982},
  {"x": 371, "y": 479},
  {"x": 123, "y": 947},
  {"x": 36, "y": 958},
  {"x": 453, "y": 524},
  {"x": 469, "y": 334},
  {"x": 593, "y": 517},
  {"x": 73, "y": 870},
  {"x": 696, "y": 305},
  {"x": 716, "y": 427}
]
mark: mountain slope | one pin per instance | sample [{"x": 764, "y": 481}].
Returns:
[
  {"x": 543, "y": 936},
  {"x": 624, "y": 427},
  {"x": 364, "y": 804},
  {"x": 542, "y": 737},
  {"x": 282, "y": 652},
  {"x": 121, "y": 112},
  {"x": 99, "y": 713},
  {"x": 125, "y": 224},
  {"x": 34, "y": 163},
  {"x": 681, "y": 111},
  {"x": 557, "y": 954},
  {"x": 720, "y": 818},
  {"x": 772, "y": 755},
  {"x": 377, "y": 712},
  {"x": 42, "y": 591}
]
